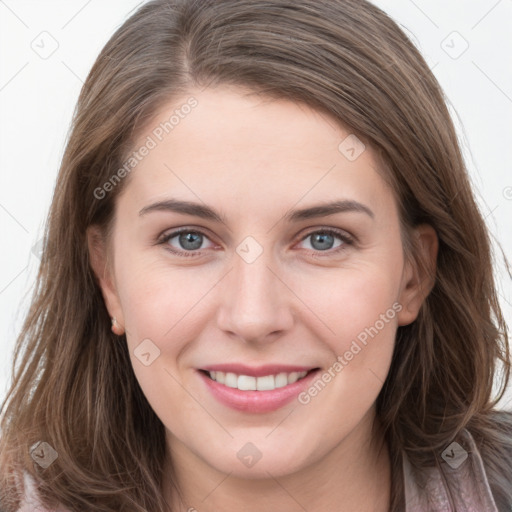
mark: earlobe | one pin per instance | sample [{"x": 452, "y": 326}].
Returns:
[
  {"x": 419, "y": 273},
  {"x": 98, "y": 255}
]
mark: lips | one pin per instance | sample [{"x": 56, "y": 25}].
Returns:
[{"x": 256, "y": 389}]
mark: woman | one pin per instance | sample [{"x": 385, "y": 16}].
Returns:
[{"x": 265, "y": 284}]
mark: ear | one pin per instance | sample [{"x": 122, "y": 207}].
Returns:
[
  {"x": 103, "y": 271},
  {"x": 419, "y": 273}
]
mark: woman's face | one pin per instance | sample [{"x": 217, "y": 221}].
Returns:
[{"x": 290, "y": 261}]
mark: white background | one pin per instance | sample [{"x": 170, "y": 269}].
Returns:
[{"x": 37, "y": 97}]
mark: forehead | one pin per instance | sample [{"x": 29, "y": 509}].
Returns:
[{"x": 251, "y": 151}]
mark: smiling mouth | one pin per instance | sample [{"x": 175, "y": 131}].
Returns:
[{"x": 261, "y": 383}]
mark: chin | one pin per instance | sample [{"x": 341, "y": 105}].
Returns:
[{"x": 269, "y": 468}]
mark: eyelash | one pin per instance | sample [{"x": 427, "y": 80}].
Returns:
[{"x": 345, "y": 238}]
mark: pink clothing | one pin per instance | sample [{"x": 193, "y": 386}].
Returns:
[
  {"x": 468, "y": 485},
  {"x": 463, "y": 487}
]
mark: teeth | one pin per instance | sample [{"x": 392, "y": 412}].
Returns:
[
  {"x": 266, "y": 383},
  {"x": 246, "y": 383},
  {"x": 231, "y": 380},
  {"x": 281, "y": 380},
  {"x": 249, "y": 383}
]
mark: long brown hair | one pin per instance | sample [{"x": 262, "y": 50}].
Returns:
[{"x": 73, "y": 386}]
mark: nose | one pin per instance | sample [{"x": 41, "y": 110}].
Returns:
[{"x": 255, "y": 302}]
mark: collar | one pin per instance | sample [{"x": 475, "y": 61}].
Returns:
[{"x": 459, "y": 484}]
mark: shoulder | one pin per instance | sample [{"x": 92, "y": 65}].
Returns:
[
  {"x": 495, "y": 443},
  {"x": 461, "y": 481}
]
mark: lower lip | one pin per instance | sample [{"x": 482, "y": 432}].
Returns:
[{"x": 257, "y": 401}]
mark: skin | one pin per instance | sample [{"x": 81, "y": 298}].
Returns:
[{"x": 253, "y": 160}]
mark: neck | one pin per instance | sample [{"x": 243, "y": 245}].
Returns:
[{"x": 354, "y": 475}]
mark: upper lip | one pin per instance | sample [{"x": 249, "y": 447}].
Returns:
[{"x": 256, "y": 371}]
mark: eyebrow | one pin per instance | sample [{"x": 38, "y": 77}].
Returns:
[{"x": 205, "y": 212}]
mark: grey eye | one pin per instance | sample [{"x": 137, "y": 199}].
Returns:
[
  {"x": 190, "y": 240},
  {"x": 324, "y": 240},
  {"x": 321, "y": 241}
]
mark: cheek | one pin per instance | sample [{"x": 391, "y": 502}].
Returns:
[
  {"x": 163, "y": 308},
  {"x": 158, "y": 305},
  {"x": 361, "y": 312},
  {"x": 158, "y": 299},
  {"x": 354, "y": 304}
]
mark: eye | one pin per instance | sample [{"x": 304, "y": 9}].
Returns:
[
  {"x": 189, "y": 242},
  {"x": 323, "y": 241}
]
